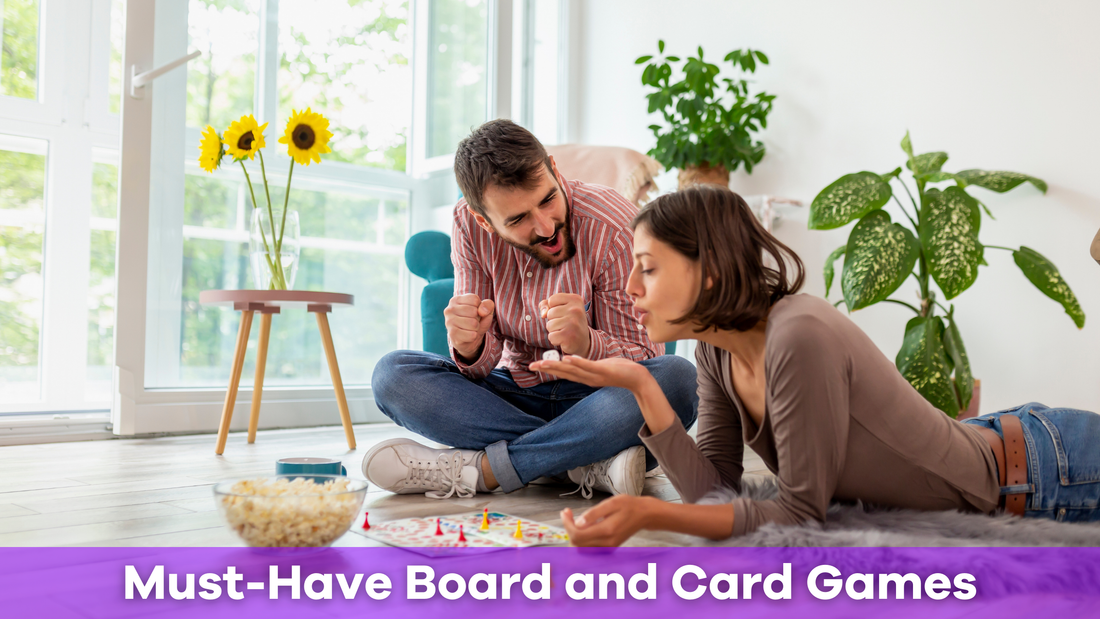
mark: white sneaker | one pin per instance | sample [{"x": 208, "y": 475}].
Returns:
[
  {"x": 623, "y": 473},
  {"x": 404, "y": 466}
]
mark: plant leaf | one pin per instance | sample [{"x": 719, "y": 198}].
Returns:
[
  {"x": 760, "y": 56},
  {"x": 923, "y": 362},
  {"x": 949, "y": 225},
  {"x": 1045, "y": 276},
  {"x": 928, "y": 162},
  {"x": 940, "y": 176},
  {"x": 833, "y": 257},
  {"x": 661, "y": 45},
  {"x": 956, "y": 353},
  {"x": 849, "y": 197},
  {"x": 907, "y": 146},
  {"x": 878, "y": 258},
  {"x": 1000, "y": 181},
  {"x": 896, "y": 172},
  {"x": 643, "y": 59},
  {"x": 672, "y": 58}
]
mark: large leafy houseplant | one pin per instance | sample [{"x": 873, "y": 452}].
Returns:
[
  {"x": 941, "y": 248},
  {"x": 709, "y": 122}
]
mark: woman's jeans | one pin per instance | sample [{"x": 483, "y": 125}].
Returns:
[
  {"x": 1063, "y": 460},
  {"x": 526, "y": 433}
]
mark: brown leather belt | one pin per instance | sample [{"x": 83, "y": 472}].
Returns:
[{"x": 1011, "y": 456}]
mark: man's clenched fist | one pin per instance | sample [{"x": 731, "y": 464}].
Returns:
[
  {"x": 567, "y": 323},
  {"x": 467, "y": 318}
]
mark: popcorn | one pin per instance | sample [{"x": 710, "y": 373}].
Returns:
[{"x": 284, "y": 512}]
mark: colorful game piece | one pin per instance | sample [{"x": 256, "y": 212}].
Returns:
[
  {"x": 461, "y": 535},
  {"x": 551, "y": 355},
  {"x": 366, "y": 521},
  {"x": 485, "y": 520},
  {"x": 438, "y": 531},
  {"x": 519, "y": 530},
  {"x": 540, "y": 537}
]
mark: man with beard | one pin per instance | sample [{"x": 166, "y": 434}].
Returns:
[{"x": 541, "y": 264}]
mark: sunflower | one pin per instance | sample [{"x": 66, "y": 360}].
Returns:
[
  {"x": 306, "y": 136},
  {"x": 244, "y": 138},
  {"x": 210, "y": 150}
]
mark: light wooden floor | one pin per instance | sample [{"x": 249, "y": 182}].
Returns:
[{"x": 157, "y": 492}]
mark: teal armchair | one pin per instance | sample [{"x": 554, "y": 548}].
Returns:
[{"x": 428, "y": 255}]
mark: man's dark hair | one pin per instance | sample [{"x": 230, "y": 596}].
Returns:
[
  {"x": 714, "y": 226},
  {"x": 500, "y": 153}
]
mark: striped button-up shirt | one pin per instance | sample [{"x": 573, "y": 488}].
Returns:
[{"x": 485, "y": 265}]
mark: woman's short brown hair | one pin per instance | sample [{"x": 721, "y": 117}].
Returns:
[{"x": 714, "y": 226}]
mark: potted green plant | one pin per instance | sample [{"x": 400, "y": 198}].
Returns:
[
  {"x": 942, "y": 248},
  {"x": 709, "y": 121}
]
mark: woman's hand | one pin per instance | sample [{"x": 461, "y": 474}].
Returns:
[
  {"x": 610, "y": 523},
  {"x": 615, "y": 520},
  {"x": 611, "y": 372}
]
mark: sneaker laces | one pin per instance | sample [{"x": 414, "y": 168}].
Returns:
[
  {"x": 592, "y": 475},
  {"x": 446, "y": 472}
]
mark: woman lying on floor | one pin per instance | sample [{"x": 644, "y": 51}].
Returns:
[{"x": 798, "y": 382}]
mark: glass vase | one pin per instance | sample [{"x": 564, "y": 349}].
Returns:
[{"x": 268, "y": 271}]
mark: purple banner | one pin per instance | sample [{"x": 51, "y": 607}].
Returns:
[{"x": 114, "y": 583}]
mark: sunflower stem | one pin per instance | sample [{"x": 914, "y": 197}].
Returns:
[
  {"x": 286, "y": 203},
  {"x": 271, "y": 214},
  {"x": 267, "y": 250}
]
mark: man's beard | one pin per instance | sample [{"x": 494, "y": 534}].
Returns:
[{"x": 568, "y": 249}]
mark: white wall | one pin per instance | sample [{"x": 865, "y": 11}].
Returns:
[{"x": 998, "y": 84}]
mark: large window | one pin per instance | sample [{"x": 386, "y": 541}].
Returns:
[
  {"x": 19, "y": 44},
  {"x": 58, "y": 206},
  {"x": 457, "y": 82},
  {"x": 345, "y": 59},
  {"x": 401, "y": 81},
  {"x": 22, "y": 232},
  {"x": 102, "y": 227}
]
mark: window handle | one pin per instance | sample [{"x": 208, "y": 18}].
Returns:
[{"x": 139, "y": 80}]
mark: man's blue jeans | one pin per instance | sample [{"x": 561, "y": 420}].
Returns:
[
  {"x": 1063, "y": 460},
  {"x": 526, "y": 433}
]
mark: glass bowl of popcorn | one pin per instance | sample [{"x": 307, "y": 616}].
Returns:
[{"x": 290, "y": 510}]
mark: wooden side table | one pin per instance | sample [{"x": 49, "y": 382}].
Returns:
[{"x": 267, "y": 303}]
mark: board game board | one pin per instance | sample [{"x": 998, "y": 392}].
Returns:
[{"x": 465, "y": 531}]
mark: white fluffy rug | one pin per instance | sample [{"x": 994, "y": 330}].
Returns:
[{"x": 862, "y": 525}]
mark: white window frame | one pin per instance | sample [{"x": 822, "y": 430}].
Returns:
[
  {"x": 72, "y": 113},
  {"x": 498, "y": 83},
  {"x": 141, "y": 410},
  {"x": 47, "y": 108},
  {"x": 61, "y": 115},
  {"x": 523, "y": 68}
]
